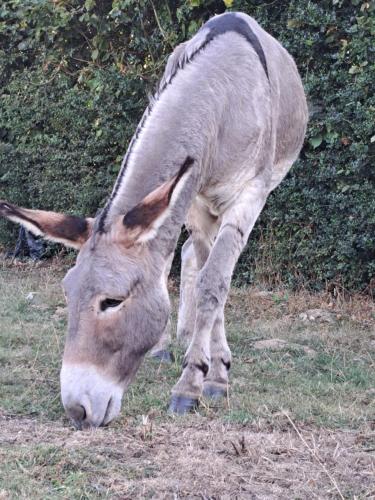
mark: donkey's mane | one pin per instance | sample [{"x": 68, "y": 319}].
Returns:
[{"x": 184, "y": 54}]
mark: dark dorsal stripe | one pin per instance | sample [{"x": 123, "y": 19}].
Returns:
[
  {"x": 220, "y": 25},
  {"x": 232, "y": 22},
  {"x": 99, "y": 227}
]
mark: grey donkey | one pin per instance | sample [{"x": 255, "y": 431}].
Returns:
[{"x": 224, "y": 127}]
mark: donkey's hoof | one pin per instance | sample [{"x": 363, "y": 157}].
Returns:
[
  {"x": 182, "y": 404},
  {"x": 214, "y": 392},
  {"x": 163, "y": 356}
]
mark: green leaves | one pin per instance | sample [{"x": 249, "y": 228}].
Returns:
[
  {"x": 316, "y": 141},
  {"x": 74, "y": 76},
  {"x": 328, "y": 135},
  {"x": 95, "y": 54},
  {"x": 90, "y": 4}
]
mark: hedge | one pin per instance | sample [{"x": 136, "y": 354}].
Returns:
[{"x": 74, "y": 80}]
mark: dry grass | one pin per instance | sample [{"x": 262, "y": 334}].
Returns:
[
  {"x": 192, "y": 458},
  {"x": 299, "y": 422},
  {"x": 282, "y": 304}
]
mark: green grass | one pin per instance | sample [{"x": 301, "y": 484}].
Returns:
[
  {"x": 330, "y": 385},
  {"x": 57, "y": 472},
  {"x": 31, "y": 343},
  {"x": 330, "y": 388}
]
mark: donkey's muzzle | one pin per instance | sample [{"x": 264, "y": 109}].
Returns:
[{"x": 90, "y": 399}]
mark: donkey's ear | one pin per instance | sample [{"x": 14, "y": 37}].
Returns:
[
  {"x": 144, "y": 220},
  {"x": 69, "y": 230}
]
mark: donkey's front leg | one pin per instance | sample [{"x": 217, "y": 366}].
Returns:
[
  {"x": 212, "y": 288},
  {"x": 211, "y": 291},
  {"x": 215, "y": 385},
  {"x": 196, "y": 364}
]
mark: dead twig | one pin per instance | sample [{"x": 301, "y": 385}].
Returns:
[
  {"x": 160, "y": 26},
  {"x": 316, "y": 456}
]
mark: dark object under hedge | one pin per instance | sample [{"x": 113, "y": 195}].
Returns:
[{"x": 27, "y": 245}]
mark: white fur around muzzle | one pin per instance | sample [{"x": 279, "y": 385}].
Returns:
[{"x": 85, "y": 386}]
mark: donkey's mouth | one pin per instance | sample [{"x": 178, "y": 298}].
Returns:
[
  {"x": 107, "y": 417},
  {"x": 89, "y": 398}
]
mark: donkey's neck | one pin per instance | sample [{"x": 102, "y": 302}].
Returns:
[
  {"x": 163, "y": 141},
  {"x": 167, "y": 135},
  {"x": 182, "y": 122}
]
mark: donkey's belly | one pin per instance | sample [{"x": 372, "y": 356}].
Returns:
[
  {"x": 227, "y": 184},
  {"x": 218, "y": 197}
]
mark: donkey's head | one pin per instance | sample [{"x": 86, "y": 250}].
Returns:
[{"x": 118, "y": 304}]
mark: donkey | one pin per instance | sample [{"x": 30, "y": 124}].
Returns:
[{"x": 226, "y": 124}]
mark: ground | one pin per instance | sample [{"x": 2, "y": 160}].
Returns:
[{"x": 299, "y": 421}]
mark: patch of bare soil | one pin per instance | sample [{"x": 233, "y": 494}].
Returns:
[
  {"x": 323, "y": 307},
  {"x": 208, "y": 459},
  {"x": 279, "y": 344}
]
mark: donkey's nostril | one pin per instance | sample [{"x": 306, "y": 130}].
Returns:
[{"x": 77, "y": 413}]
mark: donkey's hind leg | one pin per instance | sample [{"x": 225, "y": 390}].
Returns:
[
  {"x": 212, "y": 287},
  {"x": 187, "y": 306},
  {"x": 203, "y": 227}
]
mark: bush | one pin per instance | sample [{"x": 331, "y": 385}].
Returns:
[{"x": 74, "y": 80}]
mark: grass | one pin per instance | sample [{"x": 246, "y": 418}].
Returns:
[{"x": 298, "y": 423}]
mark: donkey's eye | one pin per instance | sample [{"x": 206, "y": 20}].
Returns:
[{"x": 107, "y": 303}]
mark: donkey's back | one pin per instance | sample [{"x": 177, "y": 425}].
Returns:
[{"x": 248, "y": 88}]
